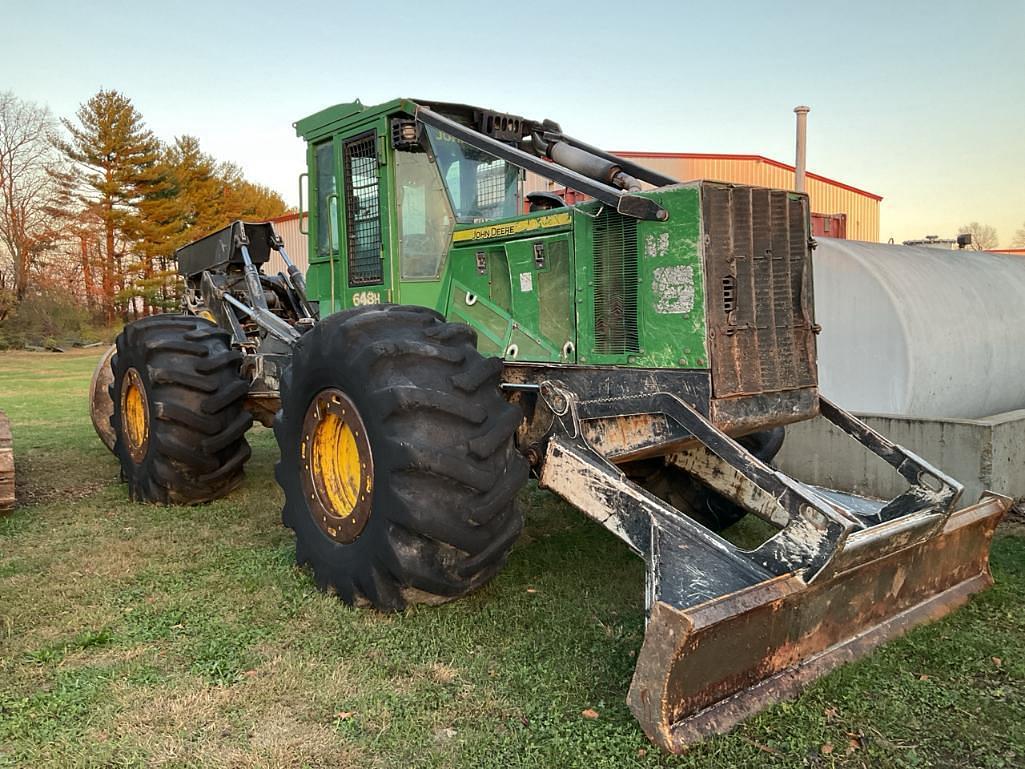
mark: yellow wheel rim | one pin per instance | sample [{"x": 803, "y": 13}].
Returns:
[
  {"x": 338, "y": 466},
  {"x": 336, "y": 460},
  {"x": 134, "y": 415}
]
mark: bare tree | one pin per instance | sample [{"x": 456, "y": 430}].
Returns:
[
  {"x": 1019, "y": 238},
  {"x": 27, "y": 190},
  {"x": 984, "y": 237}
]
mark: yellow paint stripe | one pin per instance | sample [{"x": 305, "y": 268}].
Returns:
[{"x": 508, "y": 229}]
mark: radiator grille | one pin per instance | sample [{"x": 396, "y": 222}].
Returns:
[
  {"x": 757, "y": 255},
  {"x": 615, "y": 284}
]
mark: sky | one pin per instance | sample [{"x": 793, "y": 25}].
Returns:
[{"x": 920, "y": 102}]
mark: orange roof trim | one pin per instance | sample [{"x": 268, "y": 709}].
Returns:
[{"x": 757, "y": 158}]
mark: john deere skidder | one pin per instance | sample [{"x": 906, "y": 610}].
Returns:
[{"x": 638, "y": 352}]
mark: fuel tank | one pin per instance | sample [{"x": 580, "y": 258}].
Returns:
[{"x": 920, "y": 331}]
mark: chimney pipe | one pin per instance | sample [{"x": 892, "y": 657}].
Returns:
[{"x": 802, "y": 147}]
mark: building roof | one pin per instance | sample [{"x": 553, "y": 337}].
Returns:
[{"x": 754, "y": 158}]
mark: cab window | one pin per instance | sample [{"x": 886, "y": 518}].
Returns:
[
  {"x": 424, "y": 215},
  {"x": 480, "y": 186},
  {"x": 327, "y": 200}
]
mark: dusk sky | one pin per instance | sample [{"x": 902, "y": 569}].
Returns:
[{"x": 920, "y": 102}]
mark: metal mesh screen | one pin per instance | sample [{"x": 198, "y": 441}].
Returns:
[
  {"x": 615, "y": 284},
  {"x": 491, "y": 189},
  {"x": 362, "y": 209}
]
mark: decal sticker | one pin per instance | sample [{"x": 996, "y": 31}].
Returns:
[
  {"x": 526, "y": 281},
  {"x": 363, "y": 298},
  {"x": 656, "y": 245},
  {"x": 673, "y": 288},
  {"x": 513, "y": 228}
]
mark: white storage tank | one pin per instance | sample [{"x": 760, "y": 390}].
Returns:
[{"x": 920, "y": 331}]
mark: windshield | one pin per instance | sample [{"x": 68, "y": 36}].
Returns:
[{"x": 480, "y": 186}]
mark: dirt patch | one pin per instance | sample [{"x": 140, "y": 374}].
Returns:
[
  {"x": 40, "y": 480},
  {"x": 33, "y": 493},
  {"x": 272, "y": 718},
  {"x": 1013, "y": 522}
]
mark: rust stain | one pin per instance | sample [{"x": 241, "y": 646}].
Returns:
[
  {"x": 703, "y": 670},
  {"x": 263, "y": 408}
]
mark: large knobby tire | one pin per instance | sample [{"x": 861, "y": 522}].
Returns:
[
  {"x": 706, "y": 506},
  {"x": 427, "y": 510},
  {"x": 178, "y": 415},
  {"x": 101, "y": 408}
]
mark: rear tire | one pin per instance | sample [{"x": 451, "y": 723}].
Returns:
[
  {"x": 101, "y": 408},
  {"x": 434, "y": 437},
  {"x": 178, "y": 415},
  {"x": 709, "y": 508}
]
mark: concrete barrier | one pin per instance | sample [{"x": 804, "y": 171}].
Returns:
[{"x": 983, "y": 454}]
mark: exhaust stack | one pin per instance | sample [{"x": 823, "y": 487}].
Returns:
[{"x": 802, "y": 147}]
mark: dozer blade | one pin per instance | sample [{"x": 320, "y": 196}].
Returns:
[
  {"x": 731, "y": 631},
  {"x": 705, "y": 669}
]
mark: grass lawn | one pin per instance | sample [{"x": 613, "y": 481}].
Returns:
[{"x": 134, "y": 635}]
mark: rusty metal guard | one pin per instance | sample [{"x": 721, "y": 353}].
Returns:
[{"x": 703, "y": 670}]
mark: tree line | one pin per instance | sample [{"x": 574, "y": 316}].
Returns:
[
  {"x": 93, "y": 206},
  {"x": 984, "y": 236}
]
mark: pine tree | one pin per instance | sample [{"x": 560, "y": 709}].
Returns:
[
  {"x": 115, "y": 158},
  {"x": 193, "y": 197},
  {"x": 245, "y": 200},
  {"x": 201, "y": 188},
  {"x": 161, "y": 229}
]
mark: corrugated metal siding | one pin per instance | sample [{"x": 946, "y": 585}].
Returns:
[
  {"x": 829, "y": 226},
  {"x": 861, "y": 209},
  {"x": 296, "y": 244}
]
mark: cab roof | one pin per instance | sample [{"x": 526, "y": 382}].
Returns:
[{"x": 338, "y": 117}]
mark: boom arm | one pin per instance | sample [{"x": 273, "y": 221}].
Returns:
[{"x": 626, "y": 203}]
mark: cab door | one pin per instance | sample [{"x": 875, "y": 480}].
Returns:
[
  {"x": 349, "y": 235},
  {"x": 325, "y": 225},
  {"x": 365, "y": 218}
]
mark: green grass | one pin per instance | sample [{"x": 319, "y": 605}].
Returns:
[{"x": 134, "y": 635}]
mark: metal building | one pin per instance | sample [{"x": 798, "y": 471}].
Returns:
[
  {"x": 828, "y": 196},
  {"x": 839, "y": 210},
  {"x": 296, "y": 244}
]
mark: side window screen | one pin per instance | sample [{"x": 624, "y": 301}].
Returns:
[
  {"x": 362, "y": 209},
  {"x": 493, "y": 188},
  {"x": 327, "y": 200}
]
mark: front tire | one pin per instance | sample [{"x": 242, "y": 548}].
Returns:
[
  {"x": 397, "y": 458},
  {"x": 178, "y": 416}
]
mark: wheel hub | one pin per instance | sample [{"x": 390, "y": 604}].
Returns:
[
  {"x": 134, "y": 415},
  {"x": 338, "y": 468}
]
